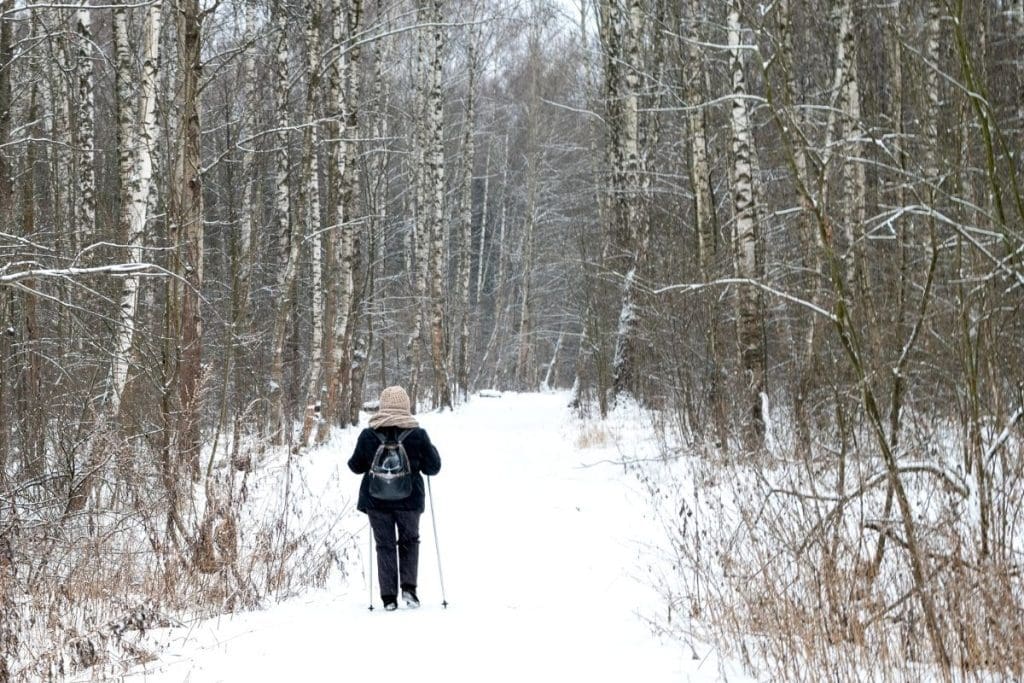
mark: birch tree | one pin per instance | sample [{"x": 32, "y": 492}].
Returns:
[
  {"x": 524, "y": 371},
  {"x": 6, "y": 66},
  {"x": 417, "y": 247},
  {"x": 137, "y": 173},
  {"x": 6, "y": 211},
  {"x": 437, "y": 226},
  {"x": 347, "y": 20},
  {"x": 854, "y": 183},
  {"x": 748, "y": 311},
  {"x": 288, "y": 244},
  {"x": 631, "y": 230},
  {"x": 310, "y": 203},
  {"x": 466, "y": 219},
  {"x": 84, "y": 128},
  {"x": 246, "y": 225}
]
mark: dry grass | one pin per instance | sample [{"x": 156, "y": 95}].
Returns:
[
  {"x": 772, "y": 570},
  {"x": 81, "y": 591},
  {"x": 593, "y": 435}
]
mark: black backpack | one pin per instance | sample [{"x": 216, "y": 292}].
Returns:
[{"x": 390, "y": 472}]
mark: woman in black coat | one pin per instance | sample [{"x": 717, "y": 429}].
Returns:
[{"x": 397, "y": 554}]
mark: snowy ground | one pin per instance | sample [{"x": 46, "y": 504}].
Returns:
[{"x": 545, "y": 554}]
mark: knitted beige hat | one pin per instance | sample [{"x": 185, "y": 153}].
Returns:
[{"x": 394, "y": 399}]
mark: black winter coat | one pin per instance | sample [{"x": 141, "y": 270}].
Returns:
[{"x": 423, "y": 457}]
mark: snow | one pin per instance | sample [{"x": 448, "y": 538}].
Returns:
[{"x": 546, "y": 551}]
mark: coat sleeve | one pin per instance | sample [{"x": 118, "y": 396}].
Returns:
[
  {"x": 430, "y": 459},
  {"x": 362, "y": 456}
]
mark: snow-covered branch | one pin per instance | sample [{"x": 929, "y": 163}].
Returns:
[
  {"x": 116, "y": 269},
  {"x": 697, "y": 286}
]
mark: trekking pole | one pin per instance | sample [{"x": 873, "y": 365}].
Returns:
[
  {"x": 370, "y": 582},
  {"x": 437, "y": 547}
]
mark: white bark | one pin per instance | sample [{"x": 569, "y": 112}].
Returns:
[
  {"x": 438, "y": 231},
  {"x": 85, "y": 130},
  {"x": 286, "y": 241},
  {"x": 281, "y": 188},
  {"x": 342, "y": 88},
  {"x": 419, "y": 239},
  {"x": 466, "y": 224},
  {"x": 481, "y": 268},
  {"x": 249, "y": 212},
  {"x": 634, "y": 234},
  {"x": 854, "y": 186},
  {"x": 123, "y": 79},
  {"x": 139, "y": 142},
  {"x": 747, "y": 300},
  {"x": 311, "y": 208},
  {"x": 524, "y": 378}
]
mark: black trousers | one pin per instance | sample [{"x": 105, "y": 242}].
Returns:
[{"x": 397, "y": 556}]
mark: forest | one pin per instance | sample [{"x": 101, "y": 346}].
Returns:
[{"x": 792, "y": 231}]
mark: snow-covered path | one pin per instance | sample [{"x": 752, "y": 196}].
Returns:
[{"x": 542, "y": 559}]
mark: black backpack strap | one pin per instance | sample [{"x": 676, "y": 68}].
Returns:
[{"x": 401, "y": 436}]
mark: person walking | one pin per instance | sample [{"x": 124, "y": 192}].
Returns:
[{"x": 395, "y": 521}]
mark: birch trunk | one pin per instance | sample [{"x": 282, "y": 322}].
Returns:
[
  {"x": 633, "y": 229},
  {"x": 854, "y": 181},
  {"x": 524, "y": 375},
  {"x": 748, "y": 313},
  {"x": 355, "y": 338},
  {"x": 481, "y": 267},
  {"x": 499, "y": 290},
  {"x": 379, "y": 190},
  {"x": 5, "y": 350},
  {"x": 125, "y": 105},
  {"x": 6, "y": 214},
  {"x": 136, "y": 184},
  {"x": 466, "y": 240},
  {"x": 288, "y": 244},
  {"x": 416, "y": 252},
  {"x": 438, "y": 228},
  {"x": 311, "y": 206},
  {"x": 346, "y": 25},
  {"x": 246, "y": 226},
  {"x": 6, "y": 173},
  {"x": 85, "y": 218}
]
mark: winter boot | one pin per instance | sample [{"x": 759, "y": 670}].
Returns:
[{"x": 409, "y": 595}]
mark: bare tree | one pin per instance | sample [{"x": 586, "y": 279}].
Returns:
[
  {"x": 137, "y": 168},
  {"x": 524, "y": 363},
  {"x": 629, "y": 233},
  {"x": 748, "y": 309},
  {"x": 466, "y": 219},
  {"x": 85, "y": 129},
  {"x": 311, "y": 207},
  {"x": 287, "y": 243},
  {"x": 347, "y": 19},
  {"x": 187, "y": 230},
  {"x": 437, "y": 227}
]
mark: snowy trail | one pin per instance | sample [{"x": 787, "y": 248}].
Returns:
[{"x": 540, "y": 558}]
